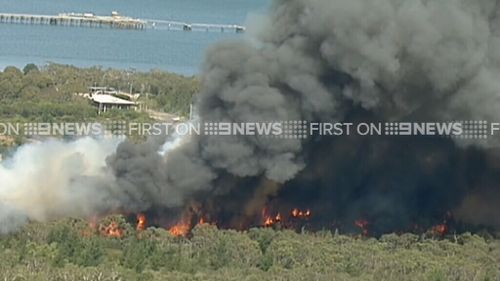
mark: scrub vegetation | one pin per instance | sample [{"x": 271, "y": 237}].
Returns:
[{"x": 73, "y": 249}]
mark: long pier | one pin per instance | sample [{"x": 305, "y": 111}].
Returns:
[
  {"x": 75, "y": 19},
  {"x": 114, "y": 21},
  {"x": 177, "y": 25}
]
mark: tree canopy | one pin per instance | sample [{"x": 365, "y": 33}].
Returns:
[{"x": 72, "y": 250}]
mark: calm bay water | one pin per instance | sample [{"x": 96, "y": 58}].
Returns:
[{"x": 176, "y": 51}]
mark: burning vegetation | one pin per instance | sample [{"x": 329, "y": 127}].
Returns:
[
  {"x": 363, "y": 225},
  {"x": 57, "y": 250},
  {"x": 112, "y": 230},
  {"x": 286, "y": 221},
  {"x": 295, "y": 219},
  {"x": 141, "y": 222},
  {"x": 180, "y": 229}
]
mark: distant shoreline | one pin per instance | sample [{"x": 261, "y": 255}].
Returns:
[{"x": 184, "y": 71}]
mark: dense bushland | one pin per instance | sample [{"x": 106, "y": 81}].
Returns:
[{"x": 71, "y": 250}]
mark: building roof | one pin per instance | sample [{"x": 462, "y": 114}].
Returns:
[{"x": 108, "y": 99}]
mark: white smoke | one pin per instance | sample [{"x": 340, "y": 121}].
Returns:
[
  {"x": 54, "y": 179},
  {"x": 176, "y": 140}
]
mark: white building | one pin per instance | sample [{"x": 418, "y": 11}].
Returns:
[{"x": 106, "y": 102}]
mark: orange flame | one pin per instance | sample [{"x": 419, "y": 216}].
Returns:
[
  {"x": 278, "y": 217},
  {"x": 443, "y": 228},
  {"x": 184, "y": 226},
  {"x": 180, "y": 229},
  {"x": 440, "y": 229},
  {"x": 190, "y": 218},
  {"x": 141, "y": 222},
  {"x": 308, "y": 213},
  {"x": 296, "y": 213},
  {"x": 112, "y": 230},
  {"x": 204, "y": 221},
  {"x": 268, "y": 222},
  {"x": 363, "y": 224}
]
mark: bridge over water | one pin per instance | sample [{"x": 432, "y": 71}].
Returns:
[{"x": 115, "y": 21}]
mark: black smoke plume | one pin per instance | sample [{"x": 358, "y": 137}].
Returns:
[
  {"x": 325, "y": 61},
  {"x": 328, "y": 61}
]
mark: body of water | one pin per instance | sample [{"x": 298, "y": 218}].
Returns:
[{"x": 176, "y": 51}]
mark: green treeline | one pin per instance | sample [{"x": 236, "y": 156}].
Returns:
[
  {"x": 71, "y": 250},
  {"x": 48, "y": 94}
]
